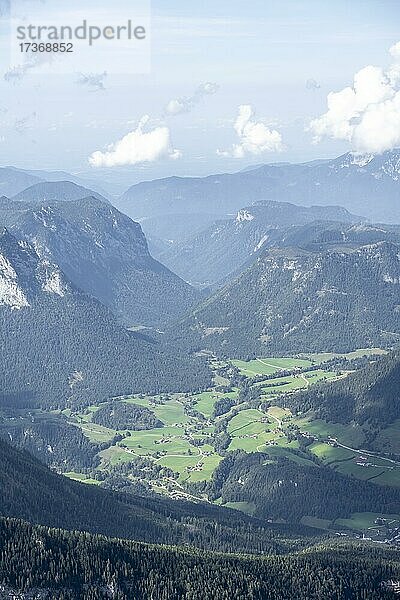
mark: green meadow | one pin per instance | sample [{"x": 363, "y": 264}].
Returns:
[{"x": 184, "y": 443}]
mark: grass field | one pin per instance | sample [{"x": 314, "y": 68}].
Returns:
[
  {"x": 81, "y": 477},
  {"x": 315, "y": 522},
  {"x": 96, "y": 433},
  {"x": 324, "y": 356},
  {"x": 347, "y": 434},
  {"x": 205, "y": 401},
  {"x": 363, "y": 521},
  {"x": 330, "y": 454},
  {"x": 246, "y": 507},
  {"x": 268, "y": 366},
  {"x": 246, "y": 419},
  {"x": 286, "y": 453},
  {"x": 356, "y": 464},
  {"x": 184, "y": 446}
]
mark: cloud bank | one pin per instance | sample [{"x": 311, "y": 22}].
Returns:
[
  {"x": 367, "y": 115},
  {"x": 254, "y": 136},
  {"x": 137, "y": 147},
  {"x": 182, "y": 105}
]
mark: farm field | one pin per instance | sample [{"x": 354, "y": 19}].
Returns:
[
  {"x": 82, "y": 478},
  {"x": 367, "y": 520},
  {"x": 185, "y": 450},
  {"x": 185, "y": 447},
  {"x": 268, "y": 366}
]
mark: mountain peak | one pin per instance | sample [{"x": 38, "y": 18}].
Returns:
[{"x": 59, "y": 191}]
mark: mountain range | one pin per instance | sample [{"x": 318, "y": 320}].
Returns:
[
  {"x": 14, "y": 180},
  {"x": 104, "y": 253},
  {"x": 48, "y": 191},
  {"x": 295, "y": 300},
  {"x": 366, "y": 185},
  {"x": 118, "y": 372},
  {"x": 222, "y": 248},
  {"x": 74, "y": 348}
]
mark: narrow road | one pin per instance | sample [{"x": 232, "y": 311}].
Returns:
[
  {"x": 304, "y": 378},
  {"x": 366, "y": 452},
  {"x": 279, "y": 421}
]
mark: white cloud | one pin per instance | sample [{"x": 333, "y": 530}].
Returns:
[
  {"x": 137, "y": 147},
  {"x": 367, "y": 115},
  {"x": 254, "y": 136},
  {"x": 178, "y": 106}
]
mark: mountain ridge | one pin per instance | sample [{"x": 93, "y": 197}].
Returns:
[
  {"x": 300, "y": 300},
  {"x": 105, "y": 254},
  {"x": 225, "y": 246},
  {"x": 364, "y": 184},
  {"x": 74, "y": 348}
]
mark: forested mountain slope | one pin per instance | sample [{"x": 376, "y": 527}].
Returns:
[
  {"x": 80, "y": 566},
  {"x": 61, "y": 347},
  {"x": 32, "y": 492},
  {"x": 371, "y": 394},
  {"x": 292, "y": 300}
]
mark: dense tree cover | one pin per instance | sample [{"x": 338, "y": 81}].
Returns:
[
  {"x": 280, "y": 488},
  {"x": 293, "y": 300},
  {"x": 54, "y": 441},
  {"x": 222, "y": 406},
  {"x": 74, "y": 350},
  {"x": 371, "y": 394},
  {"x": 32, "y": 492},
  {"x": 71, "y": 565},
  {"x": 121, "y": 415}
]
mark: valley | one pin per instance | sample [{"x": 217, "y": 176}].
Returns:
[
  {"x": 244, "y": 411},
  {"x": 200, "y": 301}
]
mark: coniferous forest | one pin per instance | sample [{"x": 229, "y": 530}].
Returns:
[{"x": 199, "y": 300}]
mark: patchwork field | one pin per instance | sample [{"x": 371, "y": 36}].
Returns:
[
  {"x": 185, "y": 448},
  {"x": 184, "y": 445}
]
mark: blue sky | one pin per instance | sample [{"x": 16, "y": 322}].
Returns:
[{"x": 259, "y": 54}]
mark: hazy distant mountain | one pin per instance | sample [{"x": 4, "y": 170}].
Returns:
[
  {"x": 62, "y": 191},
  {"x": 222, "y": 248},
  {"x": 293, "y": 300},
  {"x": 104, "y": 253},
  {"x": 61, "y": 347},
  {"x": 84, "y": 181},
  {"x": 174, "y": 228},
  {"x": 13, "y": 181},
  {"x": 365, "y": 185}
]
